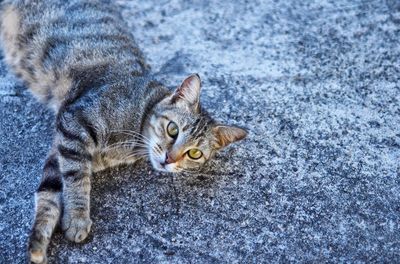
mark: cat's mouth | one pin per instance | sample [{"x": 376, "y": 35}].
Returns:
[
  {"x": 164, "y": 167},
  {"x": 161, "y": 165}
]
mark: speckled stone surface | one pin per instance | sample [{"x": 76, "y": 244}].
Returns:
[{"x": 317, "y": 83}]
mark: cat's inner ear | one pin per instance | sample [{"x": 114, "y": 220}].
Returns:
[
  {"x": 189, "y": 91},
  {"x": 226, "y": 135}
]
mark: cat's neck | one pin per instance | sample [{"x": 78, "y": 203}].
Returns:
[
  {"x": 142, "y": 93},
  {"x": 156, "y": 93}
]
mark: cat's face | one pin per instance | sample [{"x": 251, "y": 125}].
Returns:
[{"x": 181, "y": 136}]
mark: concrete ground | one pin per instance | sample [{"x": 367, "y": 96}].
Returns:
[{"x": 318, "y": 180}]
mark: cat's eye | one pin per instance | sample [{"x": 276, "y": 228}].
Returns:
[
  {"x": 172, "y": 129},
  {"x": 195, "y": 153}
]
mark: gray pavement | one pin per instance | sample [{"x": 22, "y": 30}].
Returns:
[{"x": 318, "y": 179}]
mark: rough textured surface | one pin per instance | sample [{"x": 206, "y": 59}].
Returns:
[{"x": 318, "y": 179}]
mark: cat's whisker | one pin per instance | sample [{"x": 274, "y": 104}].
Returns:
[
  {"x": 115, "y": 147},
  {"x": 132, "y": 133},
  {"x": 136, "y": 154},
  {"x": 143, "y": 148},
  {"x": 119, "y": 144},
  {"x": 141, "y": 137},
  {"x": 137, "y": 151},
  {"x": 125, "y": 144},
  {"x": 129, "y": 143}
]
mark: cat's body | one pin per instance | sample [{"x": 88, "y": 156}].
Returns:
[
  {"x": 78, "y": 58},
  {"x": 63, "y": 49}
]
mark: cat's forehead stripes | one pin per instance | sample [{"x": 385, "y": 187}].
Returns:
[
  {"x": 200, "y": 142},
  {"x": 200, "y": 126},
  {"x": 185, "y": 127},
  {"x": 195, "y": 125}
]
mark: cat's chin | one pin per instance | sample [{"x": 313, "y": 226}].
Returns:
[
  {"x": 164, "y": 168},
  {"x": 159, "y": 167}
]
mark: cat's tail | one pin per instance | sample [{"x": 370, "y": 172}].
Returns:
[{"x": 47, "y": 210}]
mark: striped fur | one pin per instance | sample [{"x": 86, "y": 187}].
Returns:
[{"x": 78, "y": 58}]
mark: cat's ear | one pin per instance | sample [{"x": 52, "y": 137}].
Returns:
[
  {"x": 226, "y": 135},
  {"x": 189, "y": 91}
]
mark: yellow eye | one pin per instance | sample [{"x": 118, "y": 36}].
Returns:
[
  {"x": 195, "y": 153},
  {"x": 172, "y": 129}
]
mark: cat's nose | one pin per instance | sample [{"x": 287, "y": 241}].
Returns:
[{"x": 168, "y": 159}]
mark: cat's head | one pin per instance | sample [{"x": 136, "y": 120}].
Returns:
[{"x": 183, "y": 136}]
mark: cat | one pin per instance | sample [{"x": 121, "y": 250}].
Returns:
[{"x": 78, "y": 58}]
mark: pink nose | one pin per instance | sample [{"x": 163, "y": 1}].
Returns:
[{"x": 168, "y": 159}]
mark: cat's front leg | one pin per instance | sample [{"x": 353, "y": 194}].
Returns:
[
  {"x": 76, "y": 222},
  {"x": 75, "y": 159}
]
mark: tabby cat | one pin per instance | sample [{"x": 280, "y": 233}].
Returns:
[{"x": 78, "y": 58}]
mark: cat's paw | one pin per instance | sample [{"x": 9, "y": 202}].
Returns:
[
  {"x": 76, "y": 228},
  {"x": 37, "y": 254}
]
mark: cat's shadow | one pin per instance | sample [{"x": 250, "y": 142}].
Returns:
[{"x": 138, "y": 179}]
